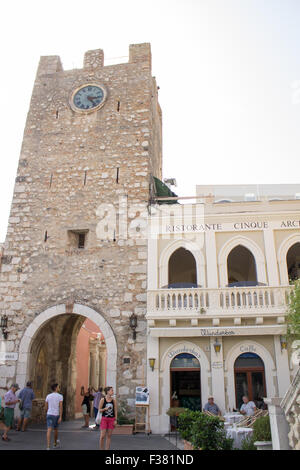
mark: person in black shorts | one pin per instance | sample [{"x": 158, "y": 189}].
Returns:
[{"x": 86, "y": 405}]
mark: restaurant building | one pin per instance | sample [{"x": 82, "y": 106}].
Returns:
[{"x": 219, "y": 277}]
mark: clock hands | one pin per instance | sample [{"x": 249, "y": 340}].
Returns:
[{"x": 92, "y": 98}]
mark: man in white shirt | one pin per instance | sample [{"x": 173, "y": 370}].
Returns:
[
  {"x": 248, "y": 408},
  {"x": 53, "y": 405}
]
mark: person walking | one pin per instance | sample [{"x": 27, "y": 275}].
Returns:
[
  {"x": 54, "y": 409},
  {"x": 108, "y": 408},
  {"x": 86, "y": 405},
  {"x": 2, "y": 423},
  {"x": 97, "y": 397},
  {"x": 26, "y": 396},
  {"x": 10, "y": 401}
]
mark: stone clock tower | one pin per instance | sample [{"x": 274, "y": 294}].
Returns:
[{"x": 91, "y": 144}]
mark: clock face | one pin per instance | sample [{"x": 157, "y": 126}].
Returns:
[{"x": 88, "y": 98}]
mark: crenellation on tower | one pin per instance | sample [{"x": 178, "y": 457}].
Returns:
[
  {"x": 140, "y": 53},
  {"x": 49, "y": 65},
  {"x": 93, "y": 59}
]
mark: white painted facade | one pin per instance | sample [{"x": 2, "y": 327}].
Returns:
[{"x": 244, "y": 319}]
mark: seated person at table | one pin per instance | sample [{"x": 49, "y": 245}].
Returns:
[
  {"x": 212, "y": 407},
  {"x": 248, "y": 408}
]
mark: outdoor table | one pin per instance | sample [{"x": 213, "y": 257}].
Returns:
[
  {"x": 233, "y": 417},
  {"x": 238, "y": 434}
]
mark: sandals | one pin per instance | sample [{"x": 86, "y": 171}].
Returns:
[{"x": 5, "y": 439}]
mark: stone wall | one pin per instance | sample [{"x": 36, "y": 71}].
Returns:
[{"x": 70, "y": 165}]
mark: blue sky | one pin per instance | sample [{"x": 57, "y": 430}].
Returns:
[{"x": 228, "y": 71}]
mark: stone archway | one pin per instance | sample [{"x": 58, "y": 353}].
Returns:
[
  {"x": 205, "y": 373},
  {"x": 263, "y": 353},
  {"x": 59, "y": 326}
]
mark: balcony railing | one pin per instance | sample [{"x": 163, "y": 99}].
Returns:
[{"x": 224, "y": 299}]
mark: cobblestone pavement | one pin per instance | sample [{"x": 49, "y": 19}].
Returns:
[{"x": 73, "y": 437}]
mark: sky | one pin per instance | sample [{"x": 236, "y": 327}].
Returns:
[{"x": 228, "y": 72}]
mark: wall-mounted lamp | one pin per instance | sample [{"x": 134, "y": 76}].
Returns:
[
  {"x": 217, "y": 346},
  {"x": 152, "y": 363},
  {"x": 3, "y": 326},
  {"x": 283, "y": 342},
  {"x": 133, "y": 324}
]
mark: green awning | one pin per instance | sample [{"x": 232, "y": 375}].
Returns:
[{"x": 162, "y": 190}]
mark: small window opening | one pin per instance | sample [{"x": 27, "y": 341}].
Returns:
[
  {"x": 117, "y": 178},
  {"x": 118, "y": 106},
  {"x": 81, "y": 240},
  {"x": 84, "y": 178},
  {"x": 46, "y": 236},
  {"x": 77, "y": 239},
  {"x": 57, "y": 114},
  {"x": 51, "y": 177}
]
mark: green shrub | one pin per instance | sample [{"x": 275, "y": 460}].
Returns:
[
  {"x": 262, "y": 429},
  {"x": 248, "y": 443},
  {"x": 203, "y": 431},
  {"x": 185, "y": 421}
]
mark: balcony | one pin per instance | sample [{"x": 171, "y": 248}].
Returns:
[{"x": 229, "y": 302}]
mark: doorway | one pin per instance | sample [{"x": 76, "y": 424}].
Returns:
[
  {"x": 185, "y": 382},
  {"x": 249, "y": 372}
]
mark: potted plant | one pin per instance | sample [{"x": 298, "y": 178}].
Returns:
[
  {"x": 203, "y": 432},
  {"x": 262, "y": 437},
  {"x": 124, "y": 423}
]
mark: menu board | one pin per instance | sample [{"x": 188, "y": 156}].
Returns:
[{"x": 142, "y": 396}]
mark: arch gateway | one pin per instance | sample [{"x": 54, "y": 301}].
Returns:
[{"x": 47, "y": 351}]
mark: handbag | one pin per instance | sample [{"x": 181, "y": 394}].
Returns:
[
  {"x": 21, "y": 405},
  {"x": 98, "y": 418},
  {"x": 1, "y": 413}
]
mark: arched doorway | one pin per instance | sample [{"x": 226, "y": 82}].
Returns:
[
  {"x": 249, "y": 375},
  {"x": 185, "y": 382},
  {"x": 48, "y": 351},
  {"x": 182, "y": 269},
  {"x": 241, "y": 267},
  {"x": 293, "y": 262}
]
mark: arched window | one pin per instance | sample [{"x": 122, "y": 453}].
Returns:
[
  {"x": 293, "y": 262},
  {"x": 182, "y": 269},
  {"x": 249, "y": 372},
  {"x": 241, "y": 267}
]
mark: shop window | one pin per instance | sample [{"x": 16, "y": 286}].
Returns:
[
  {"x": 185, "y": 382},
  {"x": 241, "y": 267},
  {"x": 249, "y": 373},
  {"x": 293, "y": 262}
]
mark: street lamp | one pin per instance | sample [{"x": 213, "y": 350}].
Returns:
[
  {"x": 152, "y": 363},
  {"x": 217, "y": 346},
  {"x": 283, "y": 342},
  {"x": 3, "y": 326},
  {"x": 133, "y": 324}
]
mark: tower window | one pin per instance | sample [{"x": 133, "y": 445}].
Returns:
[
  {"x": 77, "y": 239},
  {"x": 81, "y": 240}
]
